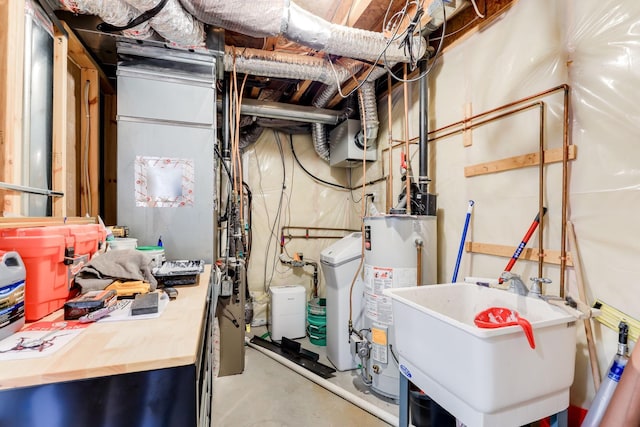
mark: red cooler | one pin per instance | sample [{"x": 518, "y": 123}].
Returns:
[{"x": 52, "y": 256}]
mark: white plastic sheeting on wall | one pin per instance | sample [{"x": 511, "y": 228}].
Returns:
[
  {"x": 304, "y": 203},
  {"x": 591, "y": 45}
]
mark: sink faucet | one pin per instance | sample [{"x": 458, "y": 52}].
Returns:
[
  {"x": 536, "y": 284},
  {"x": 516, "y": 284}
]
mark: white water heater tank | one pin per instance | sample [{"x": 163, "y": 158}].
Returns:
[{"x": 397, "y": 249}]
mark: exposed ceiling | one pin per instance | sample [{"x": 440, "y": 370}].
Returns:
[{"x": 362, "y": 14}]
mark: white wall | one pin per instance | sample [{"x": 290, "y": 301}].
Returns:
[{"x": 592, "y": 45}]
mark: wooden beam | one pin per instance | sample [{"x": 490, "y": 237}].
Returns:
[
  {"x": 90, "y": 134},
  {"x": 11, "y": 83},
  {"x": 532, "y": 159},
  {"x": 110, "y": 160},
  {"x": 44, "y": 221},
  {"x": 302, "y": 88},
  {"x": 80, "y": 56},
  {"x": 528, "y": 254},
  {"x": 59, "y": 136}
]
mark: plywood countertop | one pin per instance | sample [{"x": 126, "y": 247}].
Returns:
[{"x": 112, "y": 348}]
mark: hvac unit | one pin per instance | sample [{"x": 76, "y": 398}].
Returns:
[{"x": 347, "y": 145}]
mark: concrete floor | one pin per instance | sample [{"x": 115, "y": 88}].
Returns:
[{"x": 269, "y": 394}]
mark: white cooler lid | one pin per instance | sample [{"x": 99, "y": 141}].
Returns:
[{"x": 344, "y": 250}]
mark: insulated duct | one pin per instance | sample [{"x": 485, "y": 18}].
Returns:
[
  {"x": 173, "y": 23},
  {"x": 286, "y": 66},
  {"x": 114, "y": 12},
  {"x": 298, "y": 67},
  {"x": 368, "y": 113},
  {"x": 268, "y": 18}
]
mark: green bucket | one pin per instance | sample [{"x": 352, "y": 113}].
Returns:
[{"x": 317, "y": 321}]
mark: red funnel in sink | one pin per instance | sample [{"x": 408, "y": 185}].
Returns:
[{"x": 498, "y": 317}]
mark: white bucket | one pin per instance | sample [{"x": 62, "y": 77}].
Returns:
[
  {"x": 154, "y": 253},
  {"x": 120, "y": 243}
]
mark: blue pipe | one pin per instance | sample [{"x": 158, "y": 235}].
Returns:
[{"x": 464, "y": 237}]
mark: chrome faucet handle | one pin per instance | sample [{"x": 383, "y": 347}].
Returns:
[
  {"x": 507, "y": 275},
  {"x": 516, "y": 284},
  {"x": 536, "y": 287}
]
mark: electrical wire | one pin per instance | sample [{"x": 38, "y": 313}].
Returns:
[
  {"x": 475, "y": 7},
  {"x": 331, "y": 184},
  {"x": 436, "y": 55},
  {"x": 468, "y": 24},
  {"x": 380, "y": 56},
  {"x": 276, "y": 221}
]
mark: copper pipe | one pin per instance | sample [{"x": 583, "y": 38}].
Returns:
[
  {"x": 307, "y": 236},
  {"x": 389, "y": 195},
  {"x": 503, "y": 107},
  {"x": 565, "y": 154},
  {"x": 405, "y": 86},
  {"x": 565, "y": 188},
  {"x": 419, "y": 245},
  {"x": 541, "y": 189}
]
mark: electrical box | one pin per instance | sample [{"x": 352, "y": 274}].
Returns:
[{"x": 347, "y": 145}]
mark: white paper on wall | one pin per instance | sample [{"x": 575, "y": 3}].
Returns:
[{"x": 164, "y": 182}]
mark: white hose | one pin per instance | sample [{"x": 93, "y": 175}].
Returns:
[{"x": 350, "y": 397}]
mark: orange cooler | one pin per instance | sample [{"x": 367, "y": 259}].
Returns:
[{"x": 52, "y": 256}]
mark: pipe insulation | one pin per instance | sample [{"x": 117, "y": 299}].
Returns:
[
  {"x": 269, "y": 18},
  {"x": 339, "y": 391},
  {"x": 173, "y": 23},
  {"x": 114, "y": 12}
]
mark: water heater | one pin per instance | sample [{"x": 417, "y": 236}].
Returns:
[{"x": 400, "y": 251}]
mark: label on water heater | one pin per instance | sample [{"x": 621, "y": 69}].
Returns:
[
  {"x": 379, "y": 343},
  {"x": 376, "y": 279},
  {"x": 378, "y": 305}
]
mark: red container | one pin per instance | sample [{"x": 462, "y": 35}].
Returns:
[{"x": 52, "y": 256}]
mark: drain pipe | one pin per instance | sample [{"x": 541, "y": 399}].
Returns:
[{"x": 339, "y": 391}]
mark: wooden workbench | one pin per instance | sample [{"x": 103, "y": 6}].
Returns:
[{"x": 111, "y": 357}]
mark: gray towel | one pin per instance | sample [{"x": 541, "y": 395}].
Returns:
[{"x": 104, "y": 269}]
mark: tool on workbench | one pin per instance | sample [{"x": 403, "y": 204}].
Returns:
[
  {"x": 88, "y": 302},
  {"x": 130, "y": 288},
  {"x": 145, "y": 304}
]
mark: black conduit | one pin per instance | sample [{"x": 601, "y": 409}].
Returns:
[
  {"x": 226, "y": 107},
  {"x": 423, "y": 145}
]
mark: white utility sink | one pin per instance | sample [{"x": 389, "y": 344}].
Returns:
[{"x": 484, "y": 377}]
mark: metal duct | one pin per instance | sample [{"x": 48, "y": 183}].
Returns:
[
  {"x": 114, "y": 12},
  {"x": 173, "y": 23},
  {"x": 289, "y": 66},
  {"x": 286, "y": 66},
  {"x": 267, "y": 18},
  {"x": 288, "y": 112},
  {"x": 368, "y": 113}
]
